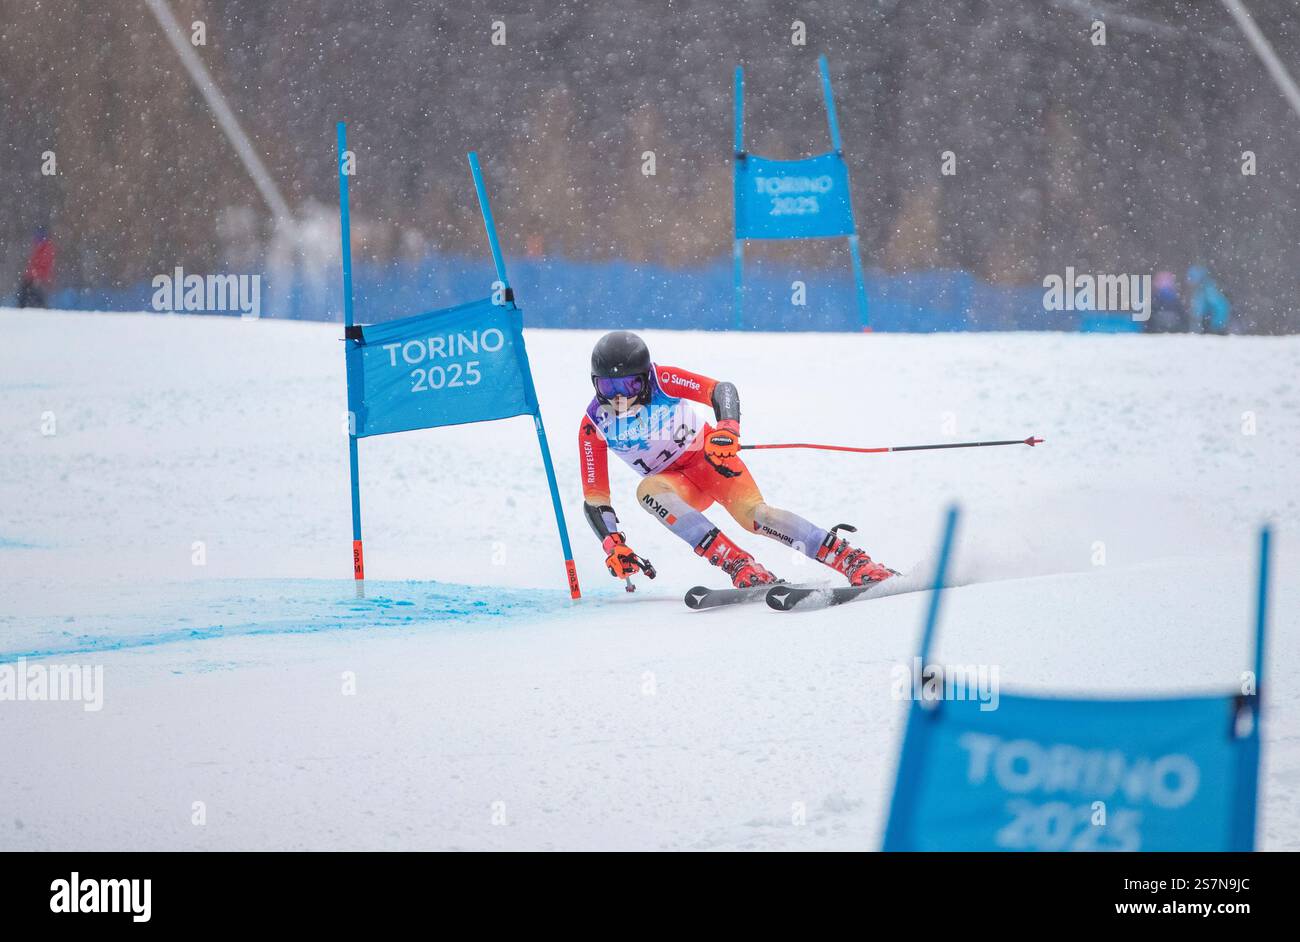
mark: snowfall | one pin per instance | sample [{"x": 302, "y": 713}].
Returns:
[{"x": 176, "y": 512}]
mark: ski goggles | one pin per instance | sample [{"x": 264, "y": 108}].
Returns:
[{"x": 610, "y": 387}]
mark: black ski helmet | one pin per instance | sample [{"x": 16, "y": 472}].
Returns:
[{"x": 621, "y": 353}]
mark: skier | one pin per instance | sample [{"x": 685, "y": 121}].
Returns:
[
  {"x": 1168, "y": 314},
  {"x": 38, "y": 276},
  {"x": 1210, "y": 309},
  {"x": 641, "y": 411}
]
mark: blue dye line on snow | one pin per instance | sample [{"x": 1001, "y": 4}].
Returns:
[{"x": 307, "y": 607}]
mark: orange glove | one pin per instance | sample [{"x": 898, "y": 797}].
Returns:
[
  {"x": 621, "y": 561},
  {"x": 722, "y": 445}
]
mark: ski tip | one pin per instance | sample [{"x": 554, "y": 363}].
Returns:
[
  {"x": 694, "y": 596},
  {"x": 779, "y": 597}
]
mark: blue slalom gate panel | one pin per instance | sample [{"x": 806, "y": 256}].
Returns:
[
  {"x": 1047, "y": 774},
  {"x": 1042, "y": 773},
  {"x": 448, "y": 367},
  {"x": 792, "y": 199}
]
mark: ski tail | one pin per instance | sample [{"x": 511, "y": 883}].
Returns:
[
  {"x": 702, "y": 597},
  {"x": 785, "y": 598}
]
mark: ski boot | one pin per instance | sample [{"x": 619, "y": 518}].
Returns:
[
  {"x": 852, "y": 564},
  {"x": 744, "y": 570}
]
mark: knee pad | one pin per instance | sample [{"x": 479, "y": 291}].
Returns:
[
  {"x": 788, "y": 528},
  {"x": 670, "y": 509}
]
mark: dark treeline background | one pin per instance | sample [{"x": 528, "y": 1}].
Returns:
[{"x": 1117, "y": 158}]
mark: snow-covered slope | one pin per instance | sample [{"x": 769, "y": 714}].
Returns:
[{"x": 482, "y": 695}]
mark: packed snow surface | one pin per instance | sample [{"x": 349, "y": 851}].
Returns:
[{"x": 175, "y": 511}]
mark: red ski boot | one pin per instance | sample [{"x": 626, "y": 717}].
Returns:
[
  {"x": 744, "y": 570},
  {"x": 853, "y": 564}
]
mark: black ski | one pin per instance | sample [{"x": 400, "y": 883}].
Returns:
[
  {"x": 703, "y": 597},
  {"x": 785, "y": 598}
]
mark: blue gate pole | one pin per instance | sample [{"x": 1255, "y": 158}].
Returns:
[
  {"x": 838, "y": 146},
  {"x": 489, "y": 223},
  {"x": 571, "y": 571},
  {"x": 940, "y": 575},
  {"x": 834, "y": 123},
  {"x": 916, "y": 729},
  {"x": 345, "y": 228},
  {"x": 1245, "y": 799},
  {"x": 738, "y": 249},
  {"x": 858, "y": 278},
  {"x": 738, "y": 281},
  {"x": 1261, "y": 614}
]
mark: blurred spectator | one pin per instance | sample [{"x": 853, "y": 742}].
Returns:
[
  {"x": 1210, "y": 309},
  {"x": 1168, "y": 313},
  {"x": 38, "y": 276}
]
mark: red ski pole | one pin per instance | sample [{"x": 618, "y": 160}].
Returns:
[{"x": 1031, "y": 441}]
